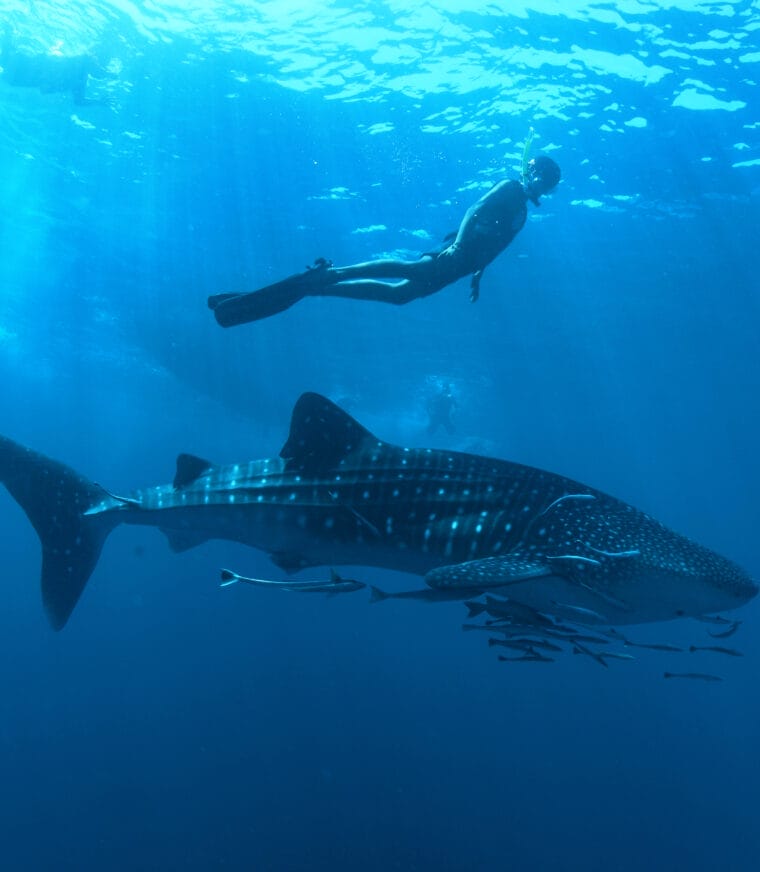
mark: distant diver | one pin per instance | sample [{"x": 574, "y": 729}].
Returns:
[
  {"x": 440, "y": 408},
  {"x": 486, "y": 230},
  {"x": 52, "y": 73}
]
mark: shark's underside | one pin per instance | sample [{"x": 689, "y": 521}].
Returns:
[{"x": 338, "y": 495}]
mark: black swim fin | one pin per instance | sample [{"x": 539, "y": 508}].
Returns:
[{"x": 233, "y": 309}]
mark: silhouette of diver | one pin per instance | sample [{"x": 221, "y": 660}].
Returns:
[
  {"x": 440, "y": 407},
  {"x": 486, "y": 230},
  {"x": 52, "y": 73}
]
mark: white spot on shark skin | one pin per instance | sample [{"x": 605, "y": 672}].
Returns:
[
  {"x": 329, "y": 523},
  {"x": 454, "y": 525},
  {"x": 232, "y": 498}
]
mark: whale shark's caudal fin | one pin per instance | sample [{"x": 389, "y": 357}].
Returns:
[{"x": 56, "y": 500}]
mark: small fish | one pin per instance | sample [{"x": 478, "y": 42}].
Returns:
[
  {"x": 707, "y": 619},
  {"x": 718, "y": 649},
  {"x": 581, "y": 649},
  {"x": 516, "y": 644},
  {"x": 726, "y": 633},
  {"x": 697, "y": 676},
  {"x": 580, "y": 611},
  {"x": 474, "y": 609},
  {"x": 512, "y": 610},
  {"x": 543, "y": 644},
  {"x": 525, "y": 644},
  {"x": 425, "y": 595},
  {"x": 530, "y": 656},
  {"x": 578, "y": 637},
  {"x": 336, "y": 584},
  {"x": 615, "y": 655},
  {"x": 517, "y": 632},
  {"x": 652, "y": 646}
]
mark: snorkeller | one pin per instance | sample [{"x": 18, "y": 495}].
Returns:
[
  {"x": 52, "y": 73},
  {"x": 488, "y": 227}
]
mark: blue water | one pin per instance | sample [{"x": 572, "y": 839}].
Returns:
[{"x": 173, "y": 725}]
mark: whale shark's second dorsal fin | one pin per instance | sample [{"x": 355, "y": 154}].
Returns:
[{"x": 321, "y": 435}]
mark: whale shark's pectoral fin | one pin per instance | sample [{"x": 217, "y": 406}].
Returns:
[
  {"x": 578, "y": 569},
  {"x": 489, "y": 572}
]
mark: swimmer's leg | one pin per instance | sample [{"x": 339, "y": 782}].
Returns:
[
  {"x": 397, "y": 293},
  {"x": 358, "y": 282},
  {"x": 364, "y": 281}
]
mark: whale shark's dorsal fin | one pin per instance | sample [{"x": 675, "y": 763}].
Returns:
[
  {"x": 321, "y": 435},
  {"x": 190, "y": 468}
]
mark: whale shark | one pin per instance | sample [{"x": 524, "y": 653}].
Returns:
[{"x": 338, "y": 495}]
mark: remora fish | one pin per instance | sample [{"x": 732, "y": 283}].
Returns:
[
  {"x": 425, "y": 594},
  {"x": 695, "y": 676},
  {"x": 337, "y": 495},
  {"x": 716, "y": 649},
  {"x": 336, "y": 584}
]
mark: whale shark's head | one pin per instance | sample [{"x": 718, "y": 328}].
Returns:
[{"x": 599, "y": 555}]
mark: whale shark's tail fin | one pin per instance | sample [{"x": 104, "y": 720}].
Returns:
[{"x": 56, "y": 500}]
